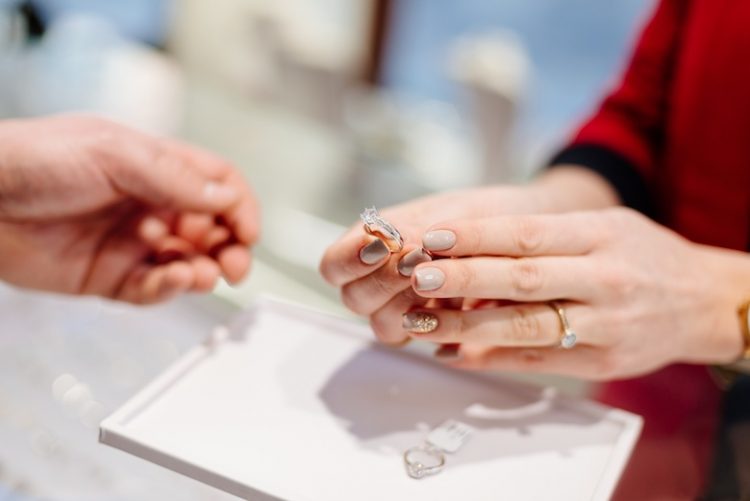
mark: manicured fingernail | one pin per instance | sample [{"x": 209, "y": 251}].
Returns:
[
  {"x": 449, "y": 352},
  {"x": 219, "y": 192},
  {"x": 420, "y": 322},
  {"x": 429, "y": 279},
  {"x": 374, "y": 252},
  {"x": 439, "y": 240},
  {"x": 410, "y": 261}
]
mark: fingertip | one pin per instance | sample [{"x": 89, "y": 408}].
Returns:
[
  {"x": 411, "y": 258},
  {"x": 179, "y": 276},
  {"x": 194, "y": 226},
  {"x": 373, "y": 253},
  {"x": 206, "y": 272},
  {"x": 243, "y": 217},
  {"x": 234, "y": 262},
  {"x": 215, "y": 239}
]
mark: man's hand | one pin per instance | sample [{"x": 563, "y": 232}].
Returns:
[{"x": 91, "y": 207}]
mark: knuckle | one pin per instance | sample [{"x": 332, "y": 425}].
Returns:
[
  {"x": 525, "y": 277},
  {"x": 379, "y": 286},
  {"x": 363, "y": 296},
  {"x": 460, "y": 325},
  {"x": 382, "y": 327},
  {"x": 619, "y": 283},
  {"x": 474, "y": 233},
  {"x": 528, "y": 236},
  {"x": 350, "y": 297},
  {"x": 104, "y": 140},
  {"x": 463, "y": 276},
  {"x": 334, "y": 270},
  {"x": 530, "y": 357},
  {"x": 525, "y": 327}
]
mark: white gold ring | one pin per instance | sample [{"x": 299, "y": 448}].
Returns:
[{"x": 418, "y": 469}]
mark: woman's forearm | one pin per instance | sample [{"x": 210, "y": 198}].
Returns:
[{"x": 572, "y": 188}]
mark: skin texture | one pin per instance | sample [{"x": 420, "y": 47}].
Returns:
[
  {"x": 88, "y": 206},
  {"x": 638, "y": 295}
]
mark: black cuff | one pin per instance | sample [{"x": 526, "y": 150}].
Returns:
[{"x": 618, "y": 170}]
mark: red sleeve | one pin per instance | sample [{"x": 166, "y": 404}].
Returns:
[{"x": 622, "y": 139}]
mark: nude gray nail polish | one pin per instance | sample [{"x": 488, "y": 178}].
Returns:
[
  {"x": 410, "y": 261},
  {"x": 374, "y": 252},
  {"x": 439, "y": 240},
  {"x": 429, "y": 279},
  {"x": 420, "y": 322}
]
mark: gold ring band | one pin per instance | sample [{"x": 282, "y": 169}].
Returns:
[{"x": 568, "y": 337}]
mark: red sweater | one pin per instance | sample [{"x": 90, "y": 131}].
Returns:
[
  {"x": 673, "y": 138},
  {"x": 677, "y": 126}
]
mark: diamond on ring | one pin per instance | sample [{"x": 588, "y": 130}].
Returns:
[{"x": 568, "y": 340}]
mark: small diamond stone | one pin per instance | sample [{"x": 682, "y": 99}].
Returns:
[
  {"x": 568, "y": 340},
  {"x": 370, "y": 215}
]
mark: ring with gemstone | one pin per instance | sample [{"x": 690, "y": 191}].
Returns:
[
  {"x": 377, "y": 226},
  {"x": 419, "y": 467},
  {"x": 568, "y": 336}
]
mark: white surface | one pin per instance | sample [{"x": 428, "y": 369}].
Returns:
[{"x": 297, "y": 405}]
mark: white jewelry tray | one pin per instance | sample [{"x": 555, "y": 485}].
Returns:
[{"x": 291, "y": 404}]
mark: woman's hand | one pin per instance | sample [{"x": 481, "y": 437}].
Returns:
[
  {"x": 375, "y": 283},
  {"x": 90, "y": 207},
  {"x": 637, "y": 295}
]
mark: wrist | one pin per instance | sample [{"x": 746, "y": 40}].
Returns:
[
  {"x": 727, "y": 289},
  {"x": 572, "y": 188}
]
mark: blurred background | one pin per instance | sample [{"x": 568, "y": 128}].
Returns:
[{"x": 327, "y": 106}]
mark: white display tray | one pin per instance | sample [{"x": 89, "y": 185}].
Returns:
[{"x": 292, "y": 404}]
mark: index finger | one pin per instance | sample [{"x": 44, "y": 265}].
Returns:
[
  {"x": 242, "y": 216},
  {"x": 567, "y": 234}
]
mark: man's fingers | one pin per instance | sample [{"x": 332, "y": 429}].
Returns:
[
  {"x": 168, "y": 174},
  {"x": 567, "y": 234},
  {"x": 234, "y": 262},
  {"x": 243, "y": 218},
  {"x": 152, "y": 284},
  {"x": 206, "y": 272}
]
